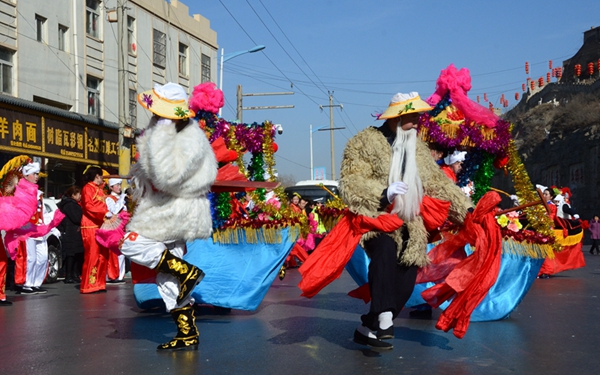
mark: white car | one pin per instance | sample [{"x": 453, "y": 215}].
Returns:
[{"x": 55, "y": 258}]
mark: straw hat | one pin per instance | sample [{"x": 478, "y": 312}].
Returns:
[
  {"x": 167, "y": 101},
  {"x": 403, "y": 104}
]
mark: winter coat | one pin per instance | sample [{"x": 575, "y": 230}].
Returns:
[
  {"x": 364, "y": 175},
  {"x": 70, "y": 227},
  {"x": 595, "y": 229}
]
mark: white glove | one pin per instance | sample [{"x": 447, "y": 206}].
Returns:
[
  {"x": 576, "y": 216},
  {"x": 395, "y": 189}
]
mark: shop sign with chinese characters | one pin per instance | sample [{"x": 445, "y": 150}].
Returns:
[{"x": 45, "y": 136}]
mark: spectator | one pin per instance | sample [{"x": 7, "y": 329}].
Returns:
[
  {"x": 595, "y": 234},
  {"x": 70, "y": 234}
]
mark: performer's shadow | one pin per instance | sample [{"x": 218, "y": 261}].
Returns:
[
  {"x": 329, "y": 301},
  {"x": 339, "y": 332},
  {"x": 155, "y": 324},
  {"x": 151, "y": 326},
  {"x": 424, "y": 338}
]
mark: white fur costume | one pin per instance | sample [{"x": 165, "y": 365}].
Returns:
[{"x": 173, "y": 175}]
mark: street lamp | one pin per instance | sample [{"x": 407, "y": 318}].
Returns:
[
  {"x": 322, "y": 128},
  {"x": 231, "y": 56}
]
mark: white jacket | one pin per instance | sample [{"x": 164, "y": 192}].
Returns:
[{"x": 172, "y": 178}]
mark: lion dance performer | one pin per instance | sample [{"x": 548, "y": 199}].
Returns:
[{"x": 173, "y": 175}]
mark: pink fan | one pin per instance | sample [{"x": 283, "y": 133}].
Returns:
[{"x": 112, "y": 231}]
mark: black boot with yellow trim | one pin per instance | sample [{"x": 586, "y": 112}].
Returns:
[
  {"x": 186, "y": 274},
  {"x": 187, "y": 332}
]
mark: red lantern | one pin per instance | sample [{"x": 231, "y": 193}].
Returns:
[
  {"x": 526, "y": 67},
  {"x": 547, "y": 77},
  {"x": 485, "y": 97},
  {"x": 477, "y": 98},
  {"x": 559, "y": 72},
  {"x": 578, "y": 70},
  {"x": 550, "y": 64},
  {"x": 516, "y": 96},
  {"x": 523, "y": 86},
  {"x": 591, "y": 68},
  {"x": 532, "y": 84},
  {"x": 541, "y": 82}
]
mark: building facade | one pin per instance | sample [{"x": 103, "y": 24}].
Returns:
[{"x": 59, "y": 75}]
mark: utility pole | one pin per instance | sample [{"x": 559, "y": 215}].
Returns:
[
  {"x": 240, "y": 95},
  {"x": 331, "y": 129},
  {"x": 123, "y": 78}
]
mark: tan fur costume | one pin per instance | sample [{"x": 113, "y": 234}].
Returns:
[{"x": 364, "y": 176}]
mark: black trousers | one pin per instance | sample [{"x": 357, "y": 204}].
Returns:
[
  {"x": 390, "y": 283},
  {"x": 595, "y": 246}
]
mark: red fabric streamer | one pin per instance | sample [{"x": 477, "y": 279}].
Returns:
[
  {"x": 570, "y": 258},
  {"x": 328, "y": 260},
  {"x": 222, "y": 153},
  {"x": 362, "y": 292},
  {"x": 465, "y": 279},
  {"x": 434, "y": 212}
]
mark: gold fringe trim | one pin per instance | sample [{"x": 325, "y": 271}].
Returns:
[
  {"x": 526, "y": 249},
  {"x": 237, "y": 236},
  {"x": 569, "y": 240}
]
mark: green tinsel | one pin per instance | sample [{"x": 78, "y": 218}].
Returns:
[
  {"x": 483, "y": 177},
  {"x": 257, "y": 172},
  {"x": 224, "y": 206}
]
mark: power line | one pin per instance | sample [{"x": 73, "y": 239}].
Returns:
[
  {"x": 292, "y": 44},
  {"x": 265, "y": 54},
  {"x": 284, "y": 50}
]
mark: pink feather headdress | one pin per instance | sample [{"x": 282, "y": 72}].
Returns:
[
  {"x": 206, "y": 97},
  {"x": 457, "y": 83}
]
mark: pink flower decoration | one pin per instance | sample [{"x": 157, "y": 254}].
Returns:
[
  {"x": 147, "y": 99},
  {"x": 513, "y": 226},
  {"x": 274, "y": 202},
  {"x": 206, "y": 97}
]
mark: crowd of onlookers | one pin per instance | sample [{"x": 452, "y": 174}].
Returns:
[{"x": 96, "y": 205}]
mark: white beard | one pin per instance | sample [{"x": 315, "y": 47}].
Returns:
[{"x": 404, "y": 168}]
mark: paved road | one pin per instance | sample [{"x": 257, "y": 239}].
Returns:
[{"x": 555, "y": 330}]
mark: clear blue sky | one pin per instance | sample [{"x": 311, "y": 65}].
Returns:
[{"x": 366, "y": 51}]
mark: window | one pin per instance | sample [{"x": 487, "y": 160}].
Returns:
[
  {"x": 132, "y": 108},
  {"x": 92, "y": 18},
  {"x": 40, "y": 28},
  {"x": 62, "y": 37},
  {"x": 131, "y": 34},
  {"x": 183, "y": 60},
  {"x": 205, "y": 69},
  {"x": 93, "y": 88},
  {"x": 160, "y": 49},
  {"x": 6, "y": 59}
]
